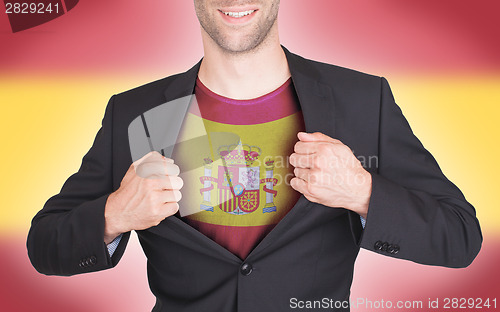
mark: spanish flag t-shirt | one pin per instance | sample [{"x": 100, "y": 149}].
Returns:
[{"x": 237, "y": 185}]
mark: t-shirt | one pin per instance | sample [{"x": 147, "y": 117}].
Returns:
[{"x": 237, "y": 184}]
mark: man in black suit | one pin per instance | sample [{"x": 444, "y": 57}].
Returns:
[{"x": 412, "y": 211}]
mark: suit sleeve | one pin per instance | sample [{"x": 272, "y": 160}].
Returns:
[
  {"x": 415, "y": 212},
  {"x": 67, "y": 236}
]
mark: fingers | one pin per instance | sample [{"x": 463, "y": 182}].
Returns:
[
  {"x": 171, "y": 196},
  {"x": 311, "y": 176},
  {"x": 301, "y": 173},
  {"x": 152, "y": 156},
  {"x": 172, "y": 183},
  {"x": 302, "y": 147},
  {"x": 157, "y": 169},
  {"x": 302, "y": 161},
  {"x": 301, "y": 186},
  {"x": 163, "y": 184},
  {"x": 313, "y": 147},
  {"x": 298, "y": 185},
  {"x": 316, "y": 137},
  {"x": 171, "y": 208}
]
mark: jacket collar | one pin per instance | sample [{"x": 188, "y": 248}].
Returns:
[{"x": 315, "y": 96}]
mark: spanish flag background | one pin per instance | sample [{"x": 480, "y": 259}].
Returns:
[{"x": 441, "y": 57}]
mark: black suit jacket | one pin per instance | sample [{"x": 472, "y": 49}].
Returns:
[{"x": 415, "y": 212}]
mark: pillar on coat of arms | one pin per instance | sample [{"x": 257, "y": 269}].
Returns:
[
  {"x": 207, "y": 204},
  {"x": 270, "y": 206}
]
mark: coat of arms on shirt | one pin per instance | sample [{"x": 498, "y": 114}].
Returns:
[{"x": 238, "y": 181}]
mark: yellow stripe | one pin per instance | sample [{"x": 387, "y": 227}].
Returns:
[{"x": 48, "y": 123}]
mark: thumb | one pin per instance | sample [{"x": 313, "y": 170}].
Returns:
[{"x": 316, "y": 137}]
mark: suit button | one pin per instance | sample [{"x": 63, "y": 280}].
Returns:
[
  {"x": 390, "y": 249},
  {"x": 82, "y": 263},
  {"x": 246, "y": 269},
  {"x": 396, "y": 249},
  {"x": 384, "y": 246},
  {"x": 378, "y": 245},
  {"x": 93, "y": 260}
]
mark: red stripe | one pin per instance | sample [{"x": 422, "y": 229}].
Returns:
[{"x": 240, "y": 240}]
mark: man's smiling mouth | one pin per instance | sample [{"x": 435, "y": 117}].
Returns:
[{"x": 239, "y": 14}]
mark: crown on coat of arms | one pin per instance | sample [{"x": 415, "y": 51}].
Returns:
[
  {"x": 208, "y": 160},
  {"x": 239, "y": 154}
]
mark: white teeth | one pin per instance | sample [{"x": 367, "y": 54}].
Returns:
[{"x": 239, "y": 14}]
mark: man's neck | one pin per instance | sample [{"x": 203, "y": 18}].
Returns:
[{"x": 245, "y": 75}]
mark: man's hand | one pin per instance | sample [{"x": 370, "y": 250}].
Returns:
[
  {"x": 148, "y": 193},
  {"x": 327, "y": 172}
]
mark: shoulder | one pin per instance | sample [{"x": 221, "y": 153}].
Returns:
[
  {"x": 336, "y": 76},
  {"x": 126, "y": 106},
  {"x": 151, "y": 90}
]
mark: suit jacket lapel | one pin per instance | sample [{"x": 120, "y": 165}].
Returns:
[
  {"x": 316, "y": 98},
  {"x": 183, "y": 84}
]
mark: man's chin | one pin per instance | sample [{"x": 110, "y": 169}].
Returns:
[{"x": 240, "y": 46}]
